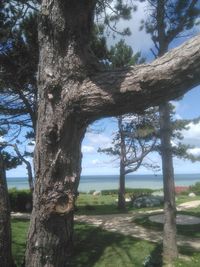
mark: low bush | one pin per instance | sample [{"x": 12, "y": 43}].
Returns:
[
  {"x": 195, "y": 188},
  {"x": 20, "y": 200},
  {"x": 129, "y": 191}
]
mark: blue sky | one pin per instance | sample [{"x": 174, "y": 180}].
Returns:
[{"x": 95, "y": 163}]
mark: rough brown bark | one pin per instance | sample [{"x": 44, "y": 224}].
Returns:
[
  {"x": 5, "y": 226},
  {"x": 64, "y": 28},
  {"x": 71, "y": 95},
  {"x": 170, "y": 251}
]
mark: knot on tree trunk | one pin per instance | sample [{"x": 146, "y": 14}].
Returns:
[
  {"x": 65, "y": 204},
  {"x": 57, "y": 202}
]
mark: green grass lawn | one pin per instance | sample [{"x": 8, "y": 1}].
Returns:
[
  {"x": 88, "y": 204},
  {"x": 95, "y": 247},
  {"x": 19, "y": 233},
  {"x": 184, "y": 198}
]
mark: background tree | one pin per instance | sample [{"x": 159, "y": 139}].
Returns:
[
  {"x": 18, "y": 88},
  {"x": 132, "y": 141},
  {"x": 7, "y": 161},
  {"x": 5, "y": 226},
  {"x": 135, "y": 138},
  {"x": 167, "y": 20}
]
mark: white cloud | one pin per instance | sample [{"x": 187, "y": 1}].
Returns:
[
  {"x": 30, "y": 148},
  {"x": 96, "y": 161},
  {"x": 2, "y": 139},
  {"x": 192, "y": 135},
  {"x": 177, "y": 117},
  {"x": 88, "y": 149},
  {"x": 99, "y": 140},
  {"x": 173, "y": 143},
  {"x": 194, "y": 151}
]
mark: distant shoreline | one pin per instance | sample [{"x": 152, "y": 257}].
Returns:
[
  {"x": 103, "y": 182},
  {"x": 93, "y": 175}
]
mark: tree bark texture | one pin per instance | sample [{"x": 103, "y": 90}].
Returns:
[
  {"x": 64, "y": 28},
  {"x": 170, "y": 252},
  {"x": 5, "y": 226},
  {"x": 72, "y": 94}
]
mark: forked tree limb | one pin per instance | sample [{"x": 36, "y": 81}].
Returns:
[{"x": 136, "y": 88}]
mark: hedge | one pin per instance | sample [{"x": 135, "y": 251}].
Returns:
[
  {"x": 195, "y": 188},
  {"x": 129, "y": 191},
  {"x": 20, "y": 200}
]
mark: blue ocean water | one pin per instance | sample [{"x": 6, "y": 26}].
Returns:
[{"x": 101, "y": 182}]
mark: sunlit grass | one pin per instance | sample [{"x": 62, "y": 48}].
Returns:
[{"x": 95, "y": 247}]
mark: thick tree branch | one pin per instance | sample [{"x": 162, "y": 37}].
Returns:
[{"x": 137, "y": 88}]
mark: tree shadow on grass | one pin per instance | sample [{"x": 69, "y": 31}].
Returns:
[
  {"x": 94, "y": 246},
  {"x": 155, "y": 257}
]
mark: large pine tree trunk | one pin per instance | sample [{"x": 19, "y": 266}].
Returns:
[
  {"x": 64, "y": 31},
  {"x": 58, "y": 171},
  {"x": 170, "y": 251},
  {"x": 5, "y": 226}
]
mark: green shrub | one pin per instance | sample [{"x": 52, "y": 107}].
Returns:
[
  {"x": 20, "y": 200},
  {"x": 195, "y": 188},
  {"x": 129, "y": 191}
]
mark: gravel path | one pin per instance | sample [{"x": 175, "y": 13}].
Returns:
[{"x": 124, "y": 224}]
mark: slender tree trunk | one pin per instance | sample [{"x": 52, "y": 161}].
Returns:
[
  {"x": 170, "y": 249},
  {"x": 5, "y": 226},
  {"x": 28, "y": 167},
  {"x": 170, "y": 252},
  {"x": 121, "y": 192}
]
